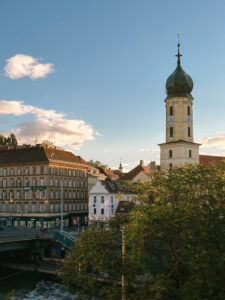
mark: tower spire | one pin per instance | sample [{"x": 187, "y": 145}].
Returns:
[{"x": 178, "y": 55}]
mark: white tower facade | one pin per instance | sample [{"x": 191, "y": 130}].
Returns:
[{"x": 179, "y": 147}]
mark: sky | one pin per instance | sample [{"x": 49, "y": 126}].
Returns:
[{"x": 90, "y": 75}]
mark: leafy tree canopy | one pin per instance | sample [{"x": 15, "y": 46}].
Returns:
[
  {"x": 8, "y": 141},
  {"x": 47, "y": 143},
  {"x": 97, "y": 164},
  {"x": 175, "y": 246}
]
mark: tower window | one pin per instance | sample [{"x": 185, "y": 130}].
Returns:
[
  {"x": 190, "y": 154},
  {"x": 171, "y": 110},
  {"x": 170, "y": 166},
  {"x": 188, "y": 110},
  {"x": 170, "y": 153},
  {"x": 171, "y": 131},
  {"x": 189, "y": 131}
]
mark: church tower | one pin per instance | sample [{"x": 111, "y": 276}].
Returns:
[{"x": 179, "y": 147}]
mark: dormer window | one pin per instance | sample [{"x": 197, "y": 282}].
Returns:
[{"x": 171, "y": 110}]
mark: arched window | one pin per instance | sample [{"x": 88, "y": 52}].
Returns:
[
  {"x": 171, "y": 131},
  {"x": 190, "y": 153},
  {"x": 170, "y": 153},
  {"x": 189, "y": 131},
  {"x": 188, "y": 110},
  {"x": 171, "y": 110}
]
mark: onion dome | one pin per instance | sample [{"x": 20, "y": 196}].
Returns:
[{"x": 179, "y": 83}]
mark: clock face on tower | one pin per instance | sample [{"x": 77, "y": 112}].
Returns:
[
  {"x": 170, "y": 120},
  {"x": 189, "y": 120}
]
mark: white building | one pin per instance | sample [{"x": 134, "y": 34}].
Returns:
[{"x": 104, "y": 198}]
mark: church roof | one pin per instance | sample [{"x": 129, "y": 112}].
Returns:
[
  {"x": 179, "y": 83},
  {"x": 208, "y": 160}
]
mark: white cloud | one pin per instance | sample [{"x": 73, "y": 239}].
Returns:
[
  {"x": 48, "y": 125},
  {"x": 216, "y": 141},
  {"x": 21, "y": 65},
  {"x": 107, "y": 150},
  {"x": 145, "y": 150}
]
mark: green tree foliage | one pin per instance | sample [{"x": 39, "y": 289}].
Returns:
[
  {"x": 97, "y": 164},
  {"x": 8, "y": 141},
  {"x": 174, "y": 236},
  {"x": 48, "y": 143}
]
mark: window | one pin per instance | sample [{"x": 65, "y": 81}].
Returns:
[
  {"x": 94, "y": 211},
  {"x": 65, "y": 207},
  {"x": 81, "y": 205},
  {"x": 18, "y": 194},
  {"x": 33, "y": 208},
  {"x": 19, "y": 182},
  {"x": 188, "y": 111},
  {"x": 3, "y": 207},
  {"x": 11, "y": 195},
  {"x": 11, "y": 207},
  {"x": 34, "y": 170},
  {"x": 42, "y": 182},
  {"x": 26, "y": 171},
  {"x": 170, "y": 166},
  {"x": 189, "y": 131},
  {"x": 102, "y": 199},
  {"x": 26, "y": 195},
  {"x": 51, "y": 182},
  {"x": 51, "y": 207},
  {"x": 171, "y": 131},
  {"x": 4, "y": 182},
  {"x": 56, "y": 182},
  {"x": 4, "y": 172},
  {"x": 26, "y": 208},
  {"x": 11, "y": 171},
  {"x": 171, "y": 110},
  {"x": 42, "y": 194},
  {"x": 190, "y": 154},
  {"x": 18, "y": 207},
  {"x": 42, "y": 170},
  {"x": 4, "y": 195},
  {"x": 112, "y": 210},
  {"x": 56, "y": 195},
  {"x": 34, "y": 182},
  {"x": 170, "y": 153},
  {"x": 56, "y": 207},
  {"x": 11, "y": 182},
  {"x": 102, "y": 211},
  {"x": 51, "y": 195},
  {"x": 42, "y": 208},
  {"x": 111, "y": 199},
  {"x": 19, "y": 172},
  {"x": 26, "y": 182}
]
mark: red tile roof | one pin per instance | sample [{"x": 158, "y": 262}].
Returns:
[
  {"x": 124, "y": 207},
  {"x": 207, "y": 160},
  {"x": 31, "y": 154},
  {"x": 134, "y": 172}
]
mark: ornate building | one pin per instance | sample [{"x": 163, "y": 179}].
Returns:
[
  {"x": 179, "y": 147},
  {"x": 31, "y": 178}
]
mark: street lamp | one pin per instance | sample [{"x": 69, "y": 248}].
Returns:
[{"x": 10, "y": 211}]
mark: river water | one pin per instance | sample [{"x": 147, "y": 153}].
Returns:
[{"x": 28, "y": 286}]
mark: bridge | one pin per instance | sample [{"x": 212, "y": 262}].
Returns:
[{"x": 25, "y": 238}]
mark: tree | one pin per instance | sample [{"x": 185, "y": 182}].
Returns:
[
  {"x": 97, "y": 164},
  {"x": 8, "y": 141},
  {"x": 46, "y": 143},
  {"x": 174, "y": 239}
]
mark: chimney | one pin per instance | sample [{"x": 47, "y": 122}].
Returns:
[
  {"x": 152, "y": 165},
  {"x": 141, "y": 163}
]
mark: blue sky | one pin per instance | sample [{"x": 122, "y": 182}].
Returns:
[{"x": 91, "y": 75}]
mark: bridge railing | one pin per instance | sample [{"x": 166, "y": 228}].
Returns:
[{"x": 65, "y": 238}]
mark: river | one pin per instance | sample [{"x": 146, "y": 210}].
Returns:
[{"x": 32, "y": 286}]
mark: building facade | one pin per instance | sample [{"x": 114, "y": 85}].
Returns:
[
  {"x": 179, "y": 147},
  {"x": 33, "y": 179},
  {"x": 104, "y": 198}
]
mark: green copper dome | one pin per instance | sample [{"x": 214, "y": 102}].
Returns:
[{"x": 179, "y": 83}]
